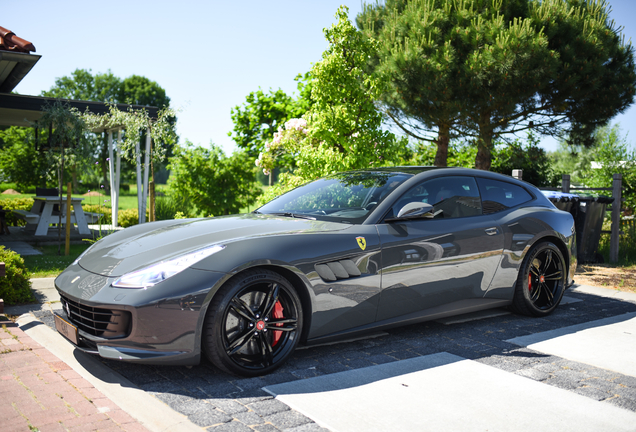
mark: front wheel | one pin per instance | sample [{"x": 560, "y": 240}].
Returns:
[
  {"x": 541, "y": 282},
  {"x": 253, "y": 324}
]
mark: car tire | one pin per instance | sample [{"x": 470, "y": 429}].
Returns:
[
  {"x": 241, "y": 332},
  {"x": 541, "y": 282}
]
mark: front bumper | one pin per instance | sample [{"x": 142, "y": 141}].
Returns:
[{"x": 158, "y": 325}]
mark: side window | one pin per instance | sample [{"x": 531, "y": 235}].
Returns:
[
  {"x": 498, "y": 195},
  {"x": 451, "y": 197}
]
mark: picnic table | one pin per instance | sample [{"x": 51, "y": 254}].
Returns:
[{"x": 42, "y": 215}]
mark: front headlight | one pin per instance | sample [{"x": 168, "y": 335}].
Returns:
[{"x": 156, "y": 273}]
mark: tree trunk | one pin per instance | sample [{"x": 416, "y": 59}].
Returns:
[
  {"x": 441, "y": 157},
  {"x": 483, "y": 159},
  {"x": 484, "y": 156}
]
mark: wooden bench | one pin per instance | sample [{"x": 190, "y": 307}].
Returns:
[
  {"x": 30, "y": 218},
  {"x": 92, "y": 218}
]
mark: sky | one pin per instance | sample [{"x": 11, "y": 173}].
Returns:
[{"x": 207, "y": 55}]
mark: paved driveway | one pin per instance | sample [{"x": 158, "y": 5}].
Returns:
[{"x": 216, "y": 401}]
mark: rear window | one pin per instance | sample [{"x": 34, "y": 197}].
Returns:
[{"x": 498, "y": 195}]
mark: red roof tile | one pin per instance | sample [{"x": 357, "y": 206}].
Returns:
[{"x": 10, "y": 42}]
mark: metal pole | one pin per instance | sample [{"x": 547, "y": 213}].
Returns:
[
  {"x": 565, "y": 184},
  {"x": 138, "y": 156},
  {"x": 117, "y": 178},
  {"x": 616, "y": 217},
  {"x": 113, "y": 182},
  {"x": 144, "y": 201}
]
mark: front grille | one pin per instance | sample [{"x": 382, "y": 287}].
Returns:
[{"x": 105, "y": 323}]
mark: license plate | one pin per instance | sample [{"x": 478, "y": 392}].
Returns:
[{"x": 66, "y": 329}]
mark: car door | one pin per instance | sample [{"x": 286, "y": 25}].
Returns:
[{"x": 440, "y": 263}]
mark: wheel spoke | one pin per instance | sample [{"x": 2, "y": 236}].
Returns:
[
  {"x": 239, "y": 306},
  {"x": 270, "y": 300},
  {"x": 548, "y": 261},
  {"x": 554, "y": 276},
  {"x": 289, "y": 324},
  {"x": 548, "y": 291},
  {"x": 534, "y": 295},
  {"x": 266, "y": 349},
  {"x": 534, "y": 270},
  {"x": 240, "y": 342}
]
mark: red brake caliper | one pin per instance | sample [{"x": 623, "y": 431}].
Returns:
[
  {"x": 529, "y": 282},
  {"x": 278, "y": 314}
]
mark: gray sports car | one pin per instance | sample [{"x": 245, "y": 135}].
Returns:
[{"x": 332, "y": 259}]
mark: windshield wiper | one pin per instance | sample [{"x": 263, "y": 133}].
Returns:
[{"x": 294, "y": 215}]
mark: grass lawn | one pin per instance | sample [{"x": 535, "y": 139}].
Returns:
[
  {"x": 50, "y": 264},
  {"x": 127, "y": 200}
]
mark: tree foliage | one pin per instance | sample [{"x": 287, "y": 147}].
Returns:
[
  {"x": 20, "y": 162},
  {"x": 214, "y": 183},
  {"x": 487, "y": 68},
  {"x": 536, "y": 164},
  {"x": 106, "y": 87},
  {"x": 82, "y": 84},
  {"x": 613, "y": 155},
  {"x": 342, "y": 129},
  {"x": 256, "y": 121}
]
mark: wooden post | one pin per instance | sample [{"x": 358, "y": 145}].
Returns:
[
  {"x": 518, "y": 174},
  {"x": 565, "y": 184},
  {"x": 67, "y": 249},
  {"x": 151, "y": 186},
  {"x": 616, "y": 216}
]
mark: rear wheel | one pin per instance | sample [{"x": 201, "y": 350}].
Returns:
[
  {"x": 542, "y": 280},
  {"x": 253, "y": 324}
]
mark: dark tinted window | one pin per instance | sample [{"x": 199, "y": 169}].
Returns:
[
  {"x": 451, "y": 197},
  {"x": 498, "y": 195}
]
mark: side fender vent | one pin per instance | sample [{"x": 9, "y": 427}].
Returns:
[{"x": 335, "y": 270}]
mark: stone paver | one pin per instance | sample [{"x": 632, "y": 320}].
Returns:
[{"x": 40, "y": 392}]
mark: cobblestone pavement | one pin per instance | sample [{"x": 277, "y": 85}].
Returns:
[{"x": 220, "y": 402}]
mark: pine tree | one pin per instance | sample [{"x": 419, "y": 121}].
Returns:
[{"x": 486, "y": 68}]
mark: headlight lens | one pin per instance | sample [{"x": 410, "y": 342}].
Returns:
[{"x": 156, "y": 273}]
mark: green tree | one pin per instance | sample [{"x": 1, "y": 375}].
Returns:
[
  {"x": 82, "y": 84},
  {"x": 214, "y": 183},
  {"x": 342, "y": 129},
  {"x": 613, "y": 155},
  {"x": 262, "y": 114},
  {"x": 139, "y": 90},
  {"x": 529, "y": 157},
  {"x": 20, "y": 162},
  {"x": 485, "y": 68}
]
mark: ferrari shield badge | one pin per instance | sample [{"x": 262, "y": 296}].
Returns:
[{"x": 362, "y": 242}]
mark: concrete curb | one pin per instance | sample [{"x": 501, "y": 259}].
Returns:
[
  {"x": 149, "y": 411},
  {"x": 604, "y": 292}
]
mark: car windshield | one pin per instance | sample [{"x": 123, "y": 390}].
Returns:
[{"x": 345, "y": 197}]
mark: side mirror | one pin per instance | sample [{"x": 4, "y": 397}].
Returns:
[{"x": 415, "y": 210}]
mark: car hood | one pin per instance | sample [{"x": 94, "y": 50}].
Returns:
[{"x": 146, "y": 244}]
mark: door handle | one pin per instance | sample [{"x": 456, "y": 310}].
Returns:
[{"x": 492, "y": 231}]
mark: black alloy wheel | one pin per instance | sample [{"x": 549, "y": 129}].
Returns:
[
  {"x": 541, "y": 282},
  {"x": 253, "y": 324}
]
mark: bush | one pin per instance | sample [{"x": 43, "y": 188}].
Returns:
[
  {"x": 167, "y": 207},
  {"x": 129, "y": 217},
  {"x": 16, "y": 204},
  {"x": 15, "y": 287},
  {"x": 96, "y": 208}
]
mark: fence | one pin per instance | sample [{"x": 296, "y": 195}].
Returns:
[{"x": 616, "y": 190}]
